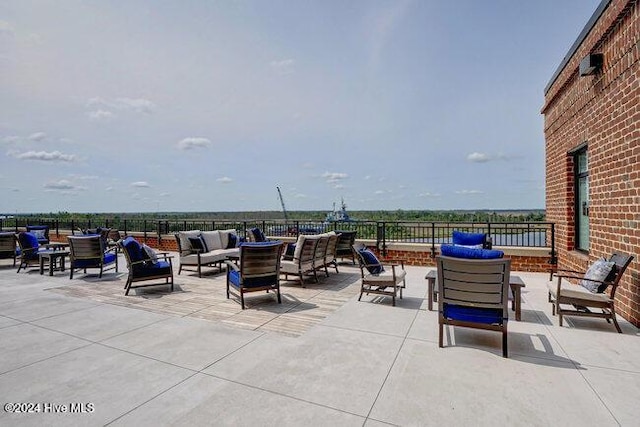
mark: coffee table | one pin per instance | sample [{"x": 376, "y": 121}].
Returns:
[
  {"x": 515, "y": 284},
  {"x": 52, "y": 256}
]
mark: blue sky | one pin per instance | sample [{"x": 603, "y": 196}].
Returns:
[{"x": 123, "y": 106}]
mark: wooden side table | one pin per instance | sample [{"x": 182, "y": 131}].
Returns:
[{"x": 52, "y": 257}]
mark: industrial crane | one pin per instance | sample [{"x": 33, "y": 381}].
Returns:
[{"x": 284, "y": 210}]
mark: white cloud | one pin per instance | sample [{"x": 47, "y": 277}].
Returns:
[
  {"x": 469, "y": 192},
  {"x": 37, "y": 136},
  {"x": 379, "y": 192},
  {"x": 224, "y": 180},
  {"x": 333, "y": 177},
  {"x": 164, "y": 194},
  {"x": 136, "y": 105},
  {"x": 428, "y": 194},
  {"x": 478, "y": 157},
  {"x": 300, "y": 196},
  {"x": 338, "y": 186},
  {"x": 139, "y": 105},
  {"x": 62, "y": 185},
  {"x": 368, "y": 177},
  {"x": 193, "y": 142},
  {"x": 284, "y": 66},
  {"x": 100, "y": 115},
  {"x": 108, "y": 189},
  {"x": 45, "y": 156},
  {"x": 140, "y": 184}
]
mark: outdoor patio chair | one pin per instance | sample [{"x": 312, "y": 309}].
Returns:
[
  {"x": 90, "y": 252},
  {"x": 590, "y": 293},
  {"x": 9, "y": 246},
  {"x": 330, "y": 254},
  {"x": 344, "y": 245},
  {"x": 144, "y": 265},
  {"x": 378, "y": 278},
  {"x": 302, "y": 264},
  {"x": 29, "y": 250},
  {"x": 258, "y": 269},
  {"x": 41, "y": 232},
  {"x": 320, "y": 253},
  {"x": 474, "y": 294}
]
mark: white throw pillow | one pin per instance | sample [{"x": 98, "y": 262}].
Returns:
[
  {"x": 599, "y": 270},
  {"x": 150, "y": 253}
]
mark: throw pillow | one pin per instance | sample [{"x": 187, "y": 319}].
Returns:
[
  {"x": 599, "y": 270},
  {"x": 150, "y": 254},
  {"x": 39, "y": 234},
  {"x": 233, "y": 241},
  {"x": 198, "y": 244},
  {"x": 462, "y": 238},
  {"x": 372, "y": 263},
  {"x": 456, "y": 251}
]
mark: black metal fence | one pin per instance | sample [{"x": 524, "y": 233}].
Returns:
[{"x": 516, "y": 234}]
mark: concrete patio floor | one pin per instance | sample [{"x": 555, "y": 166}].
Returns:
[{"x": 320, "y": 358}]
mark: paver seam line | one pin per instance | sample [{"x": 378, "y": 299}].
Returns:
[
  {"x": 45, "y": 359},
  {"x": 577, "y": 367},
  {"x": 150, "y": 399},
  {"x": 321, "y": 405},
  {"x": 404, "y": 340}
]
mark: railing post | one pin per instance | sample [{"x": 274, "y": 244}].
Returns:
[
  {"x": 125, "y": 226},
  {"x": 433, "y": 240},
  {"x": 159, "y": 234},
  {"x": 144, "y": 228},
  {"x": 57, "y": 228},
  {"x": 554, "y": 255}
]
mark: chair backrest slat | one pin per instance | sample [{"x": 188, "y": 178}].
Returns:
[
  {"x": 86, "y": 247},
  {"x": 260, "y": 261},
  {"x": 474, "y": 283}
]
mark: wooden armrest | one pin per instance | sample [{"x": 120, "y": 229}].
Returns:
[
  {"x": 569, "y": 276},
  {"x": 232, "y": 265}
]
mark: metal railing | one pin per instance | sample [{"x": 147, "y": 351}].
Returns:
[{"x": 515, "y": 234}]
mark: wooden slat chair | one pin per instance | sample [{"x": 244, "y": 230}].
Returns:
[
  {"x": 330, "y": 254},
  {"x": 576, "y": 300},
  {"x": 344, "y": 245},
  {"x": 29, "y": 250},
  {"x": 379, "y": 278},
  {"x": 258, "y": 269},
  {"x": 474, "y": 294},
  {"x": 144, "y": 265},
  {"x": 321, "y": 253},
  {"x": 90, "y": 252},
  {"x": 40, "y": 231},
  {"x": 9, "y": 246},
  {"x": 302, "y": 263}
]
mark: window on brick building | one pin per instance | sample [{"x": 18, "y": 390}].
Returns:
[{"x": 581, "y": 179}]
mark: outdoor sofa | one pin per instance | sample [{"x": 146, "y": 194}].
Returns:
[{"x": 206, "y": 248}]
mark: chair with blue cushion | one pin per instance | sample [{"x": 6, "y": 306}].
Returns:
[
  {"x": 375, "y": 278},
  {"x": 29, "y": 250},
  {"x": 144, "y": 265},
  {"x": 9, "y": 246},
  {"x": 474, "y": 294},
  {"x": 475, "y": 240},
  {"x": 257, "y": 270},
  {"x": 40, "y": 231},
  {"x": 90, "y": 252}
]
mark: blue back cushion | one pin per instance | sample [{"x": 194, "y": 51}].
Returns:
[
  {"x": 233, "y": 241},
  {"x": 469, "y": 239},
  {"x": 258, "y": 235},
  {"x": 372, "y": 262},
  {"x": 28, "y": 240},
  {"x": 470, "y": 253},
  {"x": 133, "y": 248}
]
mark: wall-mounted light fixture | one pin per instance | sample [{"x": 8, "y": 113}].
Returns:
[{"x": 591, "y": 64}]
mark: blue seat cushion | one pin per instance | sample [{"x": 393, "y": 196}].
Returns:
[
  {"x": 372, "y": 262},
  {"x": 133, "y": 248},
  {"x": 88, "y": 263},
  {"x": 161, "y": 268},
  {"x": 253, "y": 282},
  {"x": 469, "y": 239},
  {"x": 489, "y": 316},
  {"x": 470, "y": 253}
]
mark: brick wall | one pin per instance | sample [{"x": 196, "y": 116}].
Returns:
[{"x": 603, "y": 111}]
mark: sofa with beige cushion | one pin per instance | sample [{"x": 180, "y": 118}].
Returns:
[{"x": 207, "y": 248}]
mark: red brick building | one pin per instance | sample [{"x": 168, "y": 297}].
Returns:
[{"x": 592, "y": 144}]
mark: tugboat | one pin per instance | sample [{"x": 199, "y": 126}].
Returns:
[{"x": 338, "y": 215}]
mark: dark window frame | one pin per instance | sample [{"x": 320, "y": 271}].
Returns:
[{"x": 576, "y": 153}]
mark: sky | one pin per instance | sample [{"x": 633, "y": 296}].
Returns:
[{"x": 203, "y": 105}]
